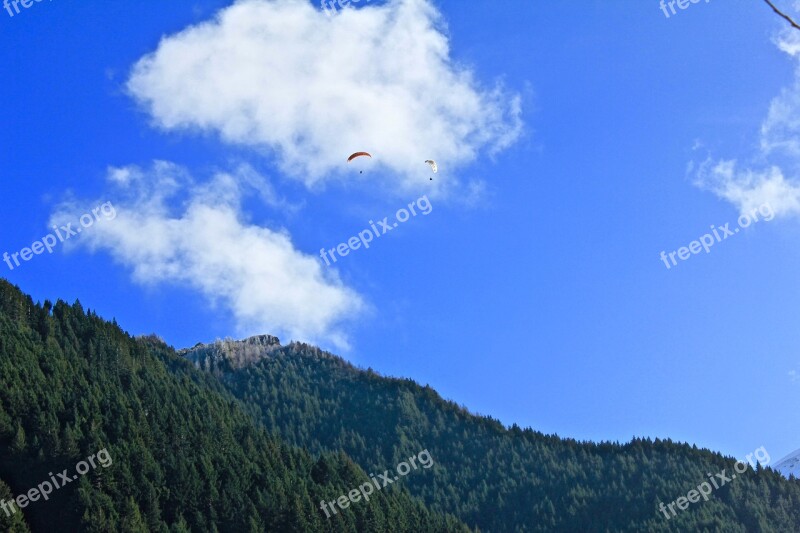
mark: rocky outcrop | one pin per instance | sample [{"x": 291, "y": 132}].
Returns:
[{"x": 229, "y": 355}]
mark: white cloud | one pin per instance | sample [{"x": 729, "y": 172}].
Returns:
[
  {"x": 773, "y": 178},
  {"x": 254, "y": 272},
  {"x": 748, "y": 189},
  {"x": 780, "y": 129},
  {"x": 286, "y": 78}
]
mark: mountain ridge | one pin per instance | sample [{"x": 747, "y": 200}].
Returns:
[
  {"x": 186, "y": 455},
  {"x": 498, "y": 478},
  {"x": 256, "y": 442}
]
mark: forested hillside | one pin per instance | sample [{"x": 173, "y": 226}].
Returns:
[
  {"x": 496, "y": 478},
  {"x": 186, "y": 457},
  {"x": 256, "y": 437}
]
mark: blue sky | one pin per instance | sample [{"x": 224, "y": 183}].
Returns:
[{"x": 576, "y": 142}]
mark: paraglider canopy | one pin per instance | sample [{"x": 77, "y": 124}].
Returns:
[
  {"x": 433, "y": 165},
  {"x": 358, "y": 154}
]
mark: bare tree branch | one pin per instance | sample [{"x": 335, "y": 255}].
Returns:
[{"x": 776, "y": 10}]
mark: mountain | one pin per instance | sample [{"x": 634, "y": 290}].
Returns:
[
  {"x": 252, "y": 436},
  {"x": 789, "y": 465},
  {"x": 176, "y": 451},
  {"x": 492, "y": 477}
]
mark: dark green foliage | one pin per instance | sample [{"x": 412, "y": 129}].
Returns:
[
  {"x": 186, "y": 457},
  {"x": 496, "y": 478},
  {"x": 14, "y": 523}
]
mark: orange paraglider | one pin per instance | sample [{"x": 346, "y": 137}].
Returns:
[{"x": 357, "y": 155}]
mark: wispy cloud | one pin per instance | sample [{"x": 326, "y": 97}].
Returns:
[
  {"x": 171, "y": 228},
  {"x": 771, "y": 175},
  {"x": 284, "y": 77},
  {"x": 747, "y": 188}
]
